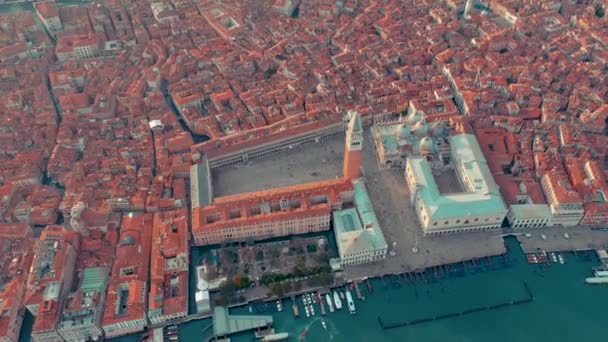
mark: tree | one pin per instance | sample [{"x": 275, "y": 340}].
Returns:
[
  {"x": 322, "y": 258},
  {"x": 226, "y": 292},
  {"x": 240, "y": 282}
]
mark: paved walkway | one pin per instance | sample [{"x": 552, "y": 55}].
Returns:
[
  {"x": 579, "y": 238},
  {"x": 390, "y": 197}
]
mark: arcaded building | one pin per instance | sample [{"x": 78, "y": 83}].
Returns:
[
  {"x": 565, "y": 203},
  {"x": 478, "y": 206},
  {"x": 357, "y": 230},
  {"x": 296, "y": 209}
]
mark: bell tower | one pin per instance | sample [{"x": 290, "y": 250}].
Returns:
[{"x": 352, "y": 147}]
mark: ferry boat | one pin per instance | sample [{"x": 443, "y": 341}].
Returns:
[
  {"x": 329, "y": 302},
  {"x": 351, "y": 303},
  {"x": 601, "y": 273},
  {"x": 337, "y": 300},
  {"x": 279, "y": 305},
  {"x": 596, "y": 280},
  {"x": 275, "y": 337},
  {"x": 306, "y": 311},
  {"x": 561, "y": 259},
  {"x": 601, "y": 277}
]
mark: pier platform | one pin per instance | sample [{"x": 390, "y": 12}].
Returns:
[{"x": 225, "y": 324}]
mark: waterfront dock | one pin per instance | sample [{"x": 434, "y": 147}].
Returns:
[
  {"x": 358, "y": 291},
  {"x": 294, "y": 307},
  {"x": 321, "y": 302},
  {"x": 225, "y": 324}
]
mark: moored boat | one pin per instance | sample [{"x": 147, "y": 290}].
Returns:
[
  {"x": 596, "y": 280},
  {"x": 329, "y": 302},
  {"x": 337, "y": 300},
  {"x": 350, "y": 302},
  {"x": 601, "y": 273},
  {"x": 275, "y": 337},
  {"x": 554, "y": 257}
]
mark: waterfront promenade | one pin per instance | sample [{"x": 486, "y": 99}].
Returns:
[{"x": 554, "y": 239}]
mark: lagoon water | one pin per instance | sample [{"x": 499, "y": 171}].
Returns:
[{"x": 564, "y": 307}]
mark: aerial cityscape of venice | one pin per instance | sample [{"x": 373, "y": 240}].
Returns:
[{"x": 303, "y": 170}]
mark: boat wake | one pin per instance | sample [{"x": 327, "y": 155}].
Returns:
[{"x": 329, "y": 327}]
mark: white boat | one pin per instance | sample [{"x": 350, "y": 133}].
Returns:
[
  {"x": 601, "y": 273},
  {"x": 561, "y": 259},
  {"x": 275, "y": 337},
  {"x": 279, "y": 305},
  {"x": 341, "y": 295},
  {"x": 306, "y": 311},
  {"x": 597, "y": 280},
  {"x": 324, "y": 324},
  {"x": 337, "y": 300},
  {"x": 304, "y": 300},
  {"x": 553, "y": 257},
  {"x": 314, "y": 299},
  {"x": 312, "y": 309},
  {"x": 329, "y": 302},
  {"x": 351, "y": 303}
]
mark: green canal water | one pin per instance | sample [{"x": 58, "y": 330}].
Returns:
[{"x": 564, "y": 307}]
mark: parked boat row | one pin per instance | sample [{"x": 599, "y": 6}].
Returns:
[
  {"x": 171, "y": 333},
  {"x": 543, "y": 257},
  {"x": 334, "y": 300}
]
